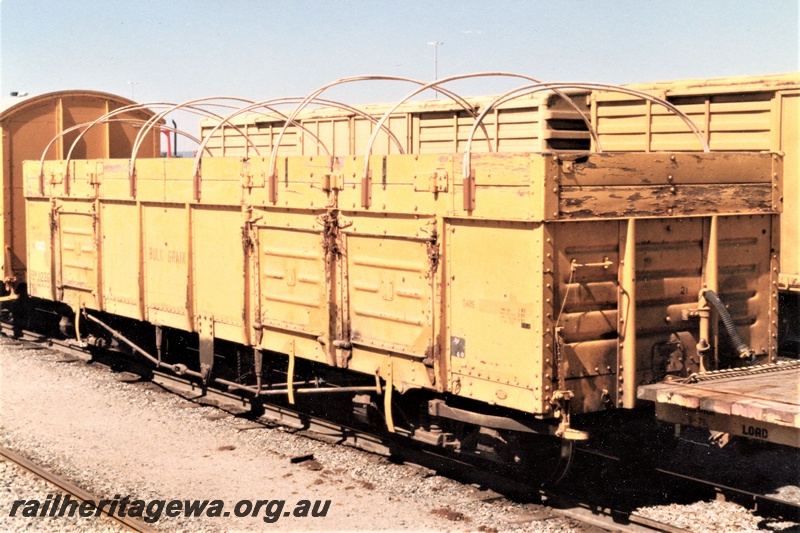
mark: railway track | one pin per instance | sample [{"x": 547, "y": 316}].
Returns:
[
  {"x": 465, "y": 471},
  {"x": 73, "y": 490},
  {"x": 594, "y": 513}
]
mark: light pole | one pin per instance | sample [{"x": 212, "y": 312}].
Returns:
[
  {"x": 436, "y": 45},
  {"x": 132, "y": 83}
]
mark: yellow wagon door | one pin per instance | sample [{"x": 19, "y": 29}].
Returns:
[
  {"x": 77, "y": 280},
  {"x": 389, "y": 295},
  {"x": 293, "y": 288}
]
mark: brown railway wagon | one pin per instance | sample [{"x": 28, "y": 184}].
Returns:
[
  {"x": 749, "y": 113},
  {"x": 27, "y": 127}
]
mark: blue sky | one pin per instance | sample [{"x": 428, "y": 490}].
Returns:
[{"x": 173, "y": 50}]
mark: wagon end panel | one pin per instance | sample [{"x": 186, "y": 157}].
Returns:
[
  {"x": 748, "y": 261},
  {"x": 586, "y": 311},
  {"x": 631, "y": 304}
]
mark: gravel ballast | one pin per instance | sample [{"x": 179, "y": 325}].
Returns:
[{"x": 118, "y": 439}]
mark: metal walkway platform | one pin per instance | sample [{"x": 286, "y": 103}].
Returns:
[{"x": 761, "y": 403}]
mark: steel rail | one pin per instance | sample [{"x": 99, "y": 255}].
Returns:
[
  {"x": 760, "y": 501},
  {"x": 789, "y": 510},
  {"x": 129, "y": 523},
  {"x": 605, "y": 517}
]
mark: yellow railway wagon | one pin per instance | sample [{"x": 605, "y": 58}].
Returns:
[
  {"x": 537, "y": 282},
  {"x": 735, "y": 114},
  {"x": 27, "y": 127},
  {"x": 541, "y": 122}
]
